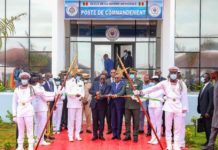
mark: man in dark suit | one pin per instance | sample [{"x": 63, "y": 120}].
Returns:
[
  {"x": 99, "y": 106},
  {"x": 117, "y": 106},
  {"x": 214, "y": 124},
  {"x": 127, "y": 59},
  {"x": 108, "y": 114},
  {"x": 205, "y": 104}
]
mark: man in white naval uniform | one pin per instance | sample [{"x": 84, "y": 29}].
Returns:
[
  {"x": 176, "y": 104},
  {"x": 23, "y": 111},
  {"x": 75, "y": 92},
  {"x": 59, "y": 107},
  {"x": 40, "y": 107}
]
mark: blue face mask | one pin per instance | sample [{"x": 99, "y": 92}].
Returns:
[
  {"x": 132, "y": 76},
  {"x": 78, "y": 77},
  {"x": 173, "y": 76}
]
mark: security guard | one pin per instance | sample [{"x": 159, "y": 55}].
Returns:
[{"x": 132, "y": 107}]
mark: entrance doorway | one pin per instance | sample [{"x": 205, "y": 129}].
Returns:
[{"x": 112, "y": 49}]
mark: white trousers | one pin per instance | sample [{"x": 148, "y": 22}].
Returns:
[
  {"x": 23, "y": 122},
  {"x": 74, "y": 114},
  {"x": 40, "y": 121},
  {"x": 57, "y": 117},
  {"x": 182, "y": 140},
  {"x": 156, "y": 119},
  {"x": 177, "y": 117}
]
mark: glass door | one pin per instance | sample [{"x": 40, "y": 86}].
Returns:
[
  {"x": 120, "y": 48},
  {"x": 98, "y": 61}
]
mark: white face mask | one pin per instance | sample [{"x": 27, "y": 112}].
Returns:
[
  {"x": 202, "y": 79},
  {"x": 132, "y": 76},
  {"x": 58, "y": 83},
  {"x": 173, "y": 76},
  {"x": 50, "y": 80},
  {"x": 24, "y": 82},
  {"x": 85, "y": 81},
  {"x": 78, "y": 78}
]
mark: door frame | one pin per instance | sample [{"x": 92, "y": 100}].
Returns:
[{"x": 112, "y": 52}]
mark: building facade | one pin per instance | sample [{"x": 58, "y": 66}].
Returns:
[{"x": 46, "y": 39}]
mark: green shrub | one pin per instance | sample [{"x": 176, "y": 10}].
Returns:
[
  {"x": 9, "y": 116},
  {"x": 7, "y": 146},
  {"x": 188, "y": 136}
]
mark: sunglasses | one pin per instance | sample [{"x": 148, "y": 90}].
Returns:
[{"x": 102, "y": 78}]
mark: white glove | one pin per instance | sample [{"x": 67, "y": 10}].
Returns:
[
  {"x": 136, "y": 92},
  {"x": 133, "y": 98},
  {"x": 15, "y": 119}
]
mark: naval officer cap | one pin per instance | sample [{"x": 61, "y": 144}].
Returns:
[
  {"x": 85, "y": 76},
  {"x": 173, "y": 69},
  {"x": 132, "y": 70},
  {"x": 24, "y": 75},
  {"x": 79, "y": 72}
]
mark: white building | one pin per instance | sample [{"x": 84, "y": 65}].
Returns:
[{"x": 160, "y": 34}]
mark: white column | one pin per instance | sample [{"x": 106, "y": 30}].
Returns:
[
  {"x": 58, "y": 37},
  {"x": 167, "y": 36}
]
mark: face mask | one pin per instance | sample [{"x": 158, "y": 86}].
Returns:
[
  {"x": 78, "y": 77},
  {"x": 85, "y": 81},
  {"x": 132, "y": 76},
  {"x": 125, "y": 54},
  {"x": 202, "y": 79},
  {"x": 50, "y": 80},
  {"x": 58, "y": 83},
  {"x": 173, "y": 76},
  {"x": 24, "y": 82}
]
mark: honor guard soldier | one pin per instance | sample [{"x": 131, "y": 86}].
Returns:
[
  {"x": 132, "y": 107},
  {"x": 175, "y": 106},
  {"x": 75, "y": 93},
  {"x": 23, "y": 111},
  {"x": 40, "y": 107}
]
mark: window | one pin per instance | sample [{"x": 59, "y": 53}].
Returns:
[
  {"x": 15, "y": 8},
  {"x": 41, "y": 18},
  {"x": 187, "y": 45},
  {"x": 187, "y": 59},
  {"x": 209, "y": 53},
  {"x": 187, "y": 18},
  {"x": 209, "y": 20}
]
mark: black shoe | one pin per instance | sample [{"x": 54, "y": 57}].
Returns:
[
  {"x": 135, "y": 140},
  {"x": 141, "y": 131},
  {"x": 127, "y": 139},
  {"x": 109, "y": 132},
  {"x": 94, "y": 138},
  {"x": 102, "y": 138},
  {"x": 118, "y": 138},
  {"x": 80, "y": 132},
  {"x": 88, "y": 131},
  {"x": 51, "y": 138},
  {"x": 148, "y": 134},
  {"x": 114, "y": 137}
]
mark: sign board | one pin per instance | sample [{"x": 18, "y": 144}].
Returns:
[{"x": 120, "y": 9}]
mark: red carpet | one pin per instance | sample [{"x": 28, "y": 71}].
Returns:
[{"x": 61, "y": 143}]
